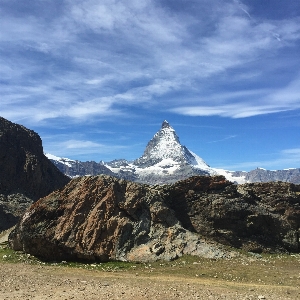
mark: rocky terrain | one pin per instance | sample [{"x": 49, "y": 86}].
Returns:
[
  {"x": 101, "y": 218},
  {"x": 257, "y": 217},
  {"x": 25, "y": 173}
]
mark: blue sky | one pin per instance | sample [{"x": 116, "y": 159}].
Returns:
[{"x": 96, "y": 78}]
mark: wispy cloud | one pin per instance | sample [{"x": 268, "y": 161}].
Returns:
[
  {"x": 241, "y": 104},
  {"x": 83, "y": 148},
  {"x": 224, "y": 139},
  {"x": 92, "y": 59}
]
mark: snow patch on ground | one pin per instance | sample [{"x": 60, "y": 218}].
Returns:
[{"x": 229, "y": 176}]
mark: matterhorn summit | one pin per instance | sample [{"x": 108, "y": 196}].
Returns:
[{"x": 166, "y": 147}]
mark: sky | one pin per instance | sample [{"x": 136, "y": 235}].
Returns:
[{"x": 96, "y": 78}]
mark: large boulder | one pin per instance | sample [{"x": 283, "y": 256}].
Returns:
[
  {"x": 103, "y": 218},
  {"x": 25, "y": 173}
]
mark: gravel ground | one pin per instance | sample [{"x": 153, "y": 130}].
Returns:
[
  {"x": 23, "y": 281},
  {"x": 27, "y": 279}
]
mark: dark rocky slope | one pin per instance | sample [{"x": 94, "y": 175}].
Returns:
[
  {"x": 25, "y": 173},
  {"x": 257, "y": 217},
  {"x": 103, "y": 218}
]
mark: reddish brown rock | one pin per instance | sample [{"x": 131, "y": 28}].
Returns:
[{"x": 103, "y": 218}]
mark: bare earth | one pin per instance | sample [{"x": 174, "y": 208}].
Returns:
[{"x": 23, "y": 281}]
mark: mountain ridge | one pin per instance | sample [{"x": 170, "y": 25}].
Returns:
[{"x": 166, "y": 160}]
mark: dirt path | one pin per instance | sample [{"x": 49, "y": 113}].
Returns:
[{"x": 23, "y": 281}]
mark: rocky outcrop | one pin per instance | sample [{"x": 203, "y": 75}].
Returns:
[
  {"x": 103, "y": 218},
  {"x": 25, "y": 173}
]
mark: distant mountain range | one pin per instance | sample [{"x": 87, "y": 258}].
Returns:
[{"x": 164, "y": 161}]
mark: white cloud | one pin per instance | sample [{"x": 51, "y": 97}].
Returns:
[
  {"x": 224, "y": 139},
  {"x": 97, "y": 58},
  {"x": 240, "y": 110},
  {"x": 251, "y": 103},
  {"x": 292, "y": 154},
  {"x": 77, "y": 147}
]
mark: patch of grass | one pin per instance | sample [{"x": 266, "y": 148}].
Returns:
[{"x": 10, "y": 256}]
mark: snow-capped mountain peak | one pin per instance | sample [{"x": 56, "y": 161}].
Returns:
[{"x": 165, "y": 146}]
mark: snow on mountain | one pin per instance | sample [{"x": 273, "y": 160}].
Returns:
[
  {"x": 165, "y": 160},
  {"x": 164, "y": 145},
  {"x": 66, "y": 161},
  {"x": 199, "y": 163},
  {"x": 75, "y": 168},
  {"x": 230, "y": 175},
  {"x": 165, "y": 149}
]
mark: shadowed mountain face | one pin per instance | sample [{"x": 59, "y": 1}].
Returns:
[
  {"x": 25, "y": 173},
  {"x": 104, "y": 218}
]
